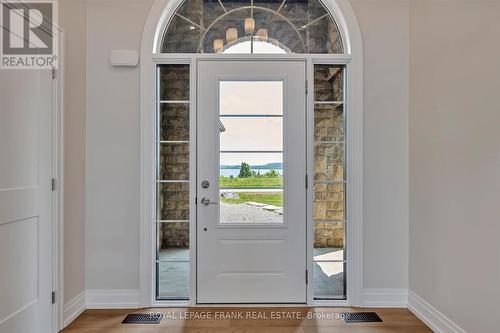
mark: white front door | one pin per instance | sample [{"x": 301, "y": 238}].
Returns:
[
  {"x": 251, "y": 186},
  {"x": 25, "y": 201}
]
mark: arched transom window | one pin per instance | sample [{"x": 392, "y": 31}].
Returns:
[{"x": 252, "y": 26}]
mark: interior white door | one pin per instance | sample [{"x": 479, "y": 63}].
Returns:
[
  {"x": 251, "y": 250},
  {"x": 25, "y": 201}
]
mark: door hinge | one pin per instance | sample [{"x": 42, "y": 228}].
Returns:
[
  {"x": 196, "y": 200},
  {"x": 53, "y": 184},
  {"x": 307, "y": 181},
  {"x": 54, "y": 73},
  {"x": 307, "y": 276},
  {"x": 307, "y": 87},
  {"x": 53, "y": 297}
]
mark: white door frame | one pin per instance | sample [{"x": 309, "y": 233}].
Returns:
[
  {"x": 58, "y": 193},
  {"x": 353, "y": 59}
]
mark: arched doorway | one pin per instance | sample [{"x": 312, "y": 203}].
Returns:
[{"x": 270, "y": 201}]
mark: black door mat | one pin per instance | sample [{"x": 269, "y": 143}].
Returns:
[
  {"x": 361, "y": 317},
  {"x": 141, "y": 318}
]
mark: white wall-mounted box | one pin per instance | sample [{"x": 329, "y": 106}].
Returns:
[{"x": 124, "y": 58}]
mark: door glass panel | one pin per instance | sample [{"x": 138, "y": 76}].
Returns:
[
  {"x": 239, "y": 134},
  {"x": 251, "y": 152},
  {"x": 233, "y": 161},
  {"x": 247, "y": 98}
]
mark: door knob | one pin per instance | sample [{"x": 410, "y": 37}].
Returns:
[{"x": 206, "y": 202}]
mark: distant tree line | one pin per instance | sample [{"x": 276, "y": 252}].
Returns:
[{"x": 246, "y": 172}]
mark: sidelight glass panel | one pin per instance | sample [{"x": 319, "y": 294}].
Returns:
[
  {"x": 173, "y": 201},
  {"x": 328, "y": 83},
  {"x": 328, "y": 202},
  {"x": 173, "y": 280},
  {"x": 174, "y": 122},
  {"x": 329, "y": 257},
  {"x": 329, "y": 162},
  {"x": 329, "y": 238},
  {"x": 173, "y": 241},
  {"x": 329, "y": 122},
  {"x": 174, "y": 82},
  {"x": 173, "y": 161},
  {"x": 329, "y": 183},
  {"x": 251, "y": 152},
  {"x": 172, "y": 182},
  {"x": 329, "y": 280}
]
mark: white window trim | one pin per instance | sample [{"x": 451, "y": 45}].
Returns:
[{"x": 155, "y": 24}]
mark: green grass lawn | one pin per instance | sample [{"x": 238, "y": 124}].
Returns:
[
  {"x": 269, "y": 198},
  {"x": 251, "y": 182}
]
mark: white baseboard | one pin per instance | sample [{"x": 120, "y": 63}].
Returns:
[
  {"x": 431, "y": 316},
  {"x": 74, "y": 308},
  {"x": 112, "y": 299},
  {"x": 385, "y": 298}
]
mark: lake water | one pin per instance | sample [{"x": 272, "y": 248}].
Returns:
[{"x": 236, "y": 172}]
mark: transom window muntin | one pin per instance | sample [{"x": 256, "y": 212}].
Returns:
[{"x": 215, "y": 26}]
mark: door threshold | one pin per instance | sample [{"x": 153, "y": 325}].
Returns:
[
  {"x": 181, "y": 304},
  {"x": 251, "y": 304}
]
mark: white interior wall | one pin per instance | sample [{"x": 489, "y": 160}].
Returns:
[
  {"x": 112, "y": 144},
  {"x": 73, "y": 20},
  {"x": 455, "y": 159},
  {"x": 385, "y": 32},
  {"x": 113, "y": 152}
]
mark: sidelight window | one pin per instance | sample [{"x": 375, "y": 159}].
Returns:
[
  {"x": 329, "y": 216},
  {"x": 172, "y": 182}
]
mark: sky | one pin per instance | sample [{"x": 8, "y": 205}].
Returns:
[{"x": 259, "y": 133}]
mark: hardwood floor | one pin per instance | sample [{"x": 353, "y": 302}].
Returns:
[{"x": 271, "y": 320}]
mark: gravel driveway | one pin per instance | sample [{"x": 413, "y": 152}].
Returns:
[{"x": 243, "y": 213}]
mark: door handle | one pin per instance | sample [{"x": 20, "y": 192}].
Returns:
[{"x": 206, "y": 202}]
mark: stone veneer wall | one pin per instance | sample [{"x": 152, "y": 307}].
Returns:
[
  {"x": 173, "y": 159},
  {"x": 174, "y": 235},
  {"x": 328, "y": 157},
  {"x": 328, "y": 234}
]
